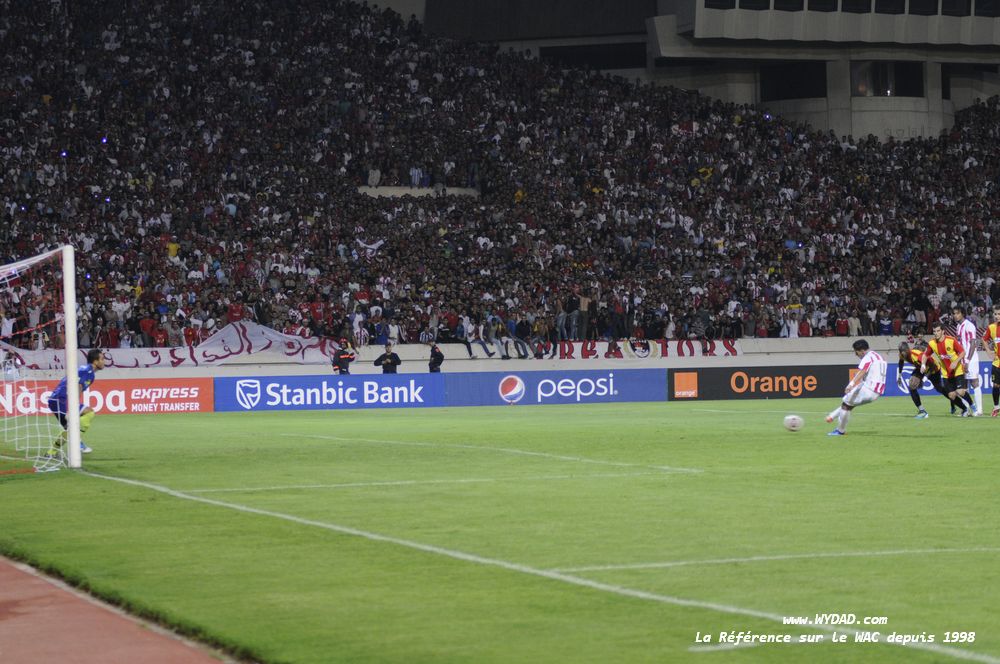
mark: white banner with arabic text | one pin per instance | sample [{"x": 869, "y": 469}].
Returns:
[{"x": 236, "y": 340}]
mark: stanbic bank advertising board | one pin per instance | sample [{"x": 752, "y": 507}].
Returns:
[{"x": 429, "y": 390}]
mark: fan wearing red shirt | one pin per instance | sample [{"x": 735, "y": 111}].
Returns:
[
  {"x": 190, "y": 335},
  {"x": 316, "y": 309},
  {"x": 114, "y": 336},
  {"x": 841, "y": 325},
  {"x": 146, "y": 325},
  {"x": 805, "y": 328},
  {"x": 235, "y": 312},
  {"x": 159, "y": 337}
]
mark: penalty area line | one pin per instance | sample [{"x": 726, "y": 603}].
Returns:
[
  {"x": 501, "y": 450},
  {"x": 743, "y": 413},
  {"x": 792, "y": 556},
  {"x": 528, "y": 570},
  {"x": 469, "y": 480}
]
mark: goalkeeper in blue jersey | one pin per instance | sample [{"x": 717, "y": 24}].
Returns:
[{"x": 58, "y": 401}]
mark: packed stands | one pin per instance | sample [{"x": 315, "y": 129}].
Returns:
[{"x": 205, "y": 160}]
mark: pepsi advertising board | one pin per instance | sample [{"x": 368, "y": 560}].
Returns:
[
  {"x": 561, "y": 387},
  {"x": 259, "y": 393}
]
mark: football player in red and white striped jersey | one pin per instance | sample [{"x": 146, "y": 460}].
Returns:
[
  {"x": 968, "y": 336},
  {"x": 867, "y": 385}
]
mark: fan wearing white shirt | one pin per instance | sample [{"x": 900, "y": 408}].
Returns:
[
  {"x": 867, "y": 385},
  {"x": 968, "y": 336}
]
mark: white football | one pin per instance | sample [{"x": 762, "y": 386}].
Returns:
[{"x": 794, "y": 422}]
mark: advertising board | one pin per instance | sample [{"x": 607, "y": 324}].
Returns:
[
  {"x": 115, "y": 396},
  {"x": 254, "y": 393},
  {"x": 759, "y": 382}
]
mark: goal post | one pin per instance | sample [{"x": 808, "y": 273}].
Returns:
[
  {"x": 38, "y": 306},
  {"x": 72, "y": 383}
]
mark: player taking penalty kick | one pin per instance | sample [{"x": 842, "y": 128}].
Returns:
[
  {"x": 59, "y": 402},
  {"x": 867, "y": 385}
]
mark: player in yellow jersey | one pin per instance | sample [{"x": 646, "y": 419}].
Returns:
[
  {"x": 913, "y": 356},
  {"x": 991, "y": 339},
  {"x": 950, "y": 356}
]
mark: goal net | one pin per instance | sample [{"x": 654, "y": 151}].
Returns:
[
  {"x": 29, "y": 436},
  {"x": 38, "y": 313}
]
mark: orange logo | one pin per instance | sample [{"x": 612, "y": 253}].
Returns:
[
  {"x": 741, "y": 382},
  {"x": 685, "y": 384}
]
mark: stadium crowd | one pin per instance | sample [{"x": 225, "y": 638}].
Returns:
[{"x": 205, "y": 160}]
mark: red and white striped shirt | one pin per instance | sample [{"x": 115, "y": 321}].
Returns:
[
  {"x": 876, "y": 367},
  {"x": 968, "y": 336}
]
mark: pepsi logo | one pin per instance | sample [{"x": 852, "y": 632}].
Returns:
[{"x": 511, "y": 389}]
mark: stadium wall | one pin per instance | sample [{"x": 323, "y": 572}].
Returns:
[
  {"x": 748, "y": 353},
  {"x": 730, "y": 69},
  {"x": 753, "y": 369}
]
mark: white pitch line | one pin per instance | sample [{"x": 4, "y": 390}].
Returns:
[
  {"x": 503, "y": 450},
  {"x": 800, "y": 412},
  {"x": 533, "y": 571},
  {"x": 471, "y": 480},
  {"x": 755, "y": 410},
  {"x": 755, "y": 559}
]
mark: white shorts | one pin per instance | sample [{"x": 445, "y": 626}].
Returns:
[
  {"x": 972, "y": 371},
  {"x": 860, "y": 395}
]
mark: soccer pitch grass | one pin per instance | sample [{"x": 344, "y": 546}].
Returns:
[{"x": 603, "y": 533}]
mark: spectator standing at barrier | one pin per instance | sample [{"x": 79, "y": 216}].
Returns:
[
  {"x": 573, "y": 315},
  {"x": 343, "y": 357},
  {"x": 584, "y": 314},
  {"x": 437, "y": 359},
  {"x": 6, "y": 325},
  {"x": 388, "y": 360}
]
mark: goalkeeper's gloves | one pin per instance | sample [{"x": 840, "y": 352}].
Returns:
[{"x": 901, "y": 383}]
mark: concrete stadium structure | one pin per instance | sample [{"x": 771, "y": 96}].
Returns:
[{"x": 890, "y": 68}]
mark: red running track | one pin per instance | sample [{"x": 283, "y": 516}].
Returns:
[{"x": 43, "y": 621}]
